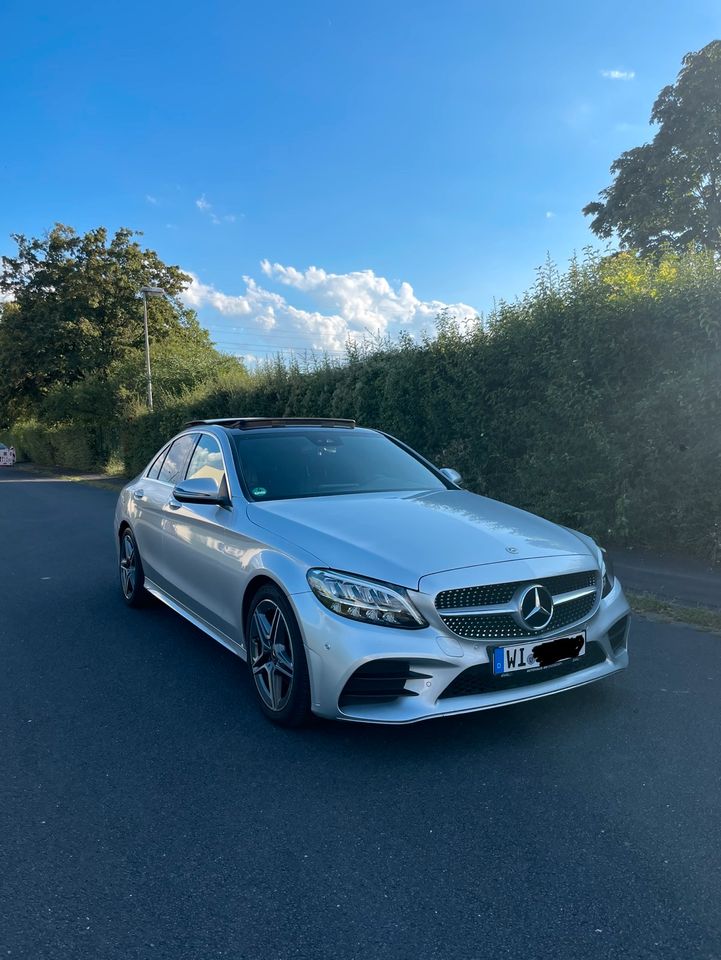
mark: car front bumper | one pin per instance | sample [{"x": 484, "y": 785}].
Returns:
[{"x": 338, "y": 647}]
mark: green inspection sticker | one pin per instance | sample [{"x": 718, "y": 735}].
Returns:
[{"x": 259, "y": 491}]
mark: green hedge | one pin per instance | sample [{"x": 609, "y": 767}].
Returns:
[
  {"x": 595, "y": 400},
  {"x": 67, "y": 445}
]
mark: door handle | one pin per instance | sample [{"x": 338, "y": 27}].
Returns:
[{"x": 138, "y": 494}]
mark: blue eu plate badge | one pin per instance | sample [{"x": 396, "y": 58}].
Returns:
[{"x": 498, "y": 660}]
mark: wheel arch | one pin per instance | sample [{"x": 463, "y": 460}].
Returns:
[
  {"x": 120, "y": 530},
  {"x": 254, "y": 584}
]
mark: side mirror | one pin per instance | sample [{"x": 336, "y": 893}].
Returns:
[
  {"x": 453, "y": 475},
  {"x": 200, "y": 490}
]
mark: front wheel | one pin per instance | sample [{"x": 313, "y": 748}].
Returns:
[
  {"x": 276, "y": 659},
  {"x": 131, "y": 570}
]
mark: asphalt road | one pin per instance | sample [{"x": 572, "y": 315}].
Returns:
[
  {"x": 680, "y": 580},
  {"x": 147, "y": 810}
]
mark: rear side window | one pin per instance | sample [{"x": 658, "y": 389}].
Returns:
[
  {"x": 176, "y": 457},
  {"x": 152, "y": 474},
  {"x": 207, "y": 461}
]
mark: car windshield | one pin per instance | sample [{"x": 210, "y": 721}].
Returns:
[{"x": 285, "y": 464}]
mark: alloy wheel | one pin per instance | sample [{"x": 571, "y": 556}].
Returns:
[
  {"x": 271, "y": 654},
  {"x": 128, "y": 566}
]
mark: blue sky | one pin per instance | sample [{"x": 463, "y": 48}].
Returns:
[{"x": 416, "y": 154}]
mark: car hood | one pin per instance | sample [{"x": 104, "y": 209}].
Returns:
[{"x": 402, "y": 537}]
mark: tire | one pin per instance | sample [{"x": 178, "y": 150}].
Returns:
[
  {"x": 130, "y": 570},
  {"x": 276, "y": 659}
]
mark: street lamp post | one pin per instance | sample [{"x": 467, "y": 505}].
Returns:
[{"x": 149, "y": 292}]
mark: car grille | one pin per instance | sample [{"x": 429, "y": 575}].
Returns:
[
  {"x": 481, "y": 679},
  {"x": 482, "y": 626}
]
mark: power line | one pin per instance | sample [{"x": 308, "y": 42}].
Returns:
[
  {"x": 242, "y": 338},
  {"x": 277, "y": 348}
]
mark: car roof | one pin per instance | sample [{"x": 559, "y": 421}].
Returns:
[{"x": 259, "y": 423}]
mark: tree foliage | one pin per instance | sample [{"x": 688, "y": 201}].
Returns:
[
  {"x": 668, "y": 191},
  {"x": 74, "y": 317}
]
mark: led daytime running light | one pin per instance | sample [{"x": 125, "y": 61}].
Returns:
[
  {"x": 364, "y": 600},
  {"x": 608, "y": 575}
]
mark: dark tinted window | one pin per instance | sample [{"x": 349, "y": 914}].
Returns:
[
  {"x": 157, "y": 464},
  {"x": 288, "y": 463},
  {"x": 176, "y": 457}
]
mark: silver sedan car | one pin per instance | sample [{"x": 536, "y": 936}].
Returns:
[{"x": 359, "y": 581}]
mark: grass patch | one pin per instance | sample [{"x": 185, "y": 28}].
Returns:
[
  {"x": 100, "y": 478},
  {"x": 648, "y": 605}
]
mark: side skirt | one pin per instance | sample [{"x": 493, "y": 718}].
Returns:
[{"x": 237, "y": 648}]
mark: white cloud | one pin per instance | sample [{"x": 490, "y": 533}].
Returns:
[
  {"x": 550, "y": 214},
  {"x": 618, "y": 74},
  {"x": 350, "y": 306},
  {"x": 364, "y": 300},
  {"x": 149, "y": 198},
  {"x": 206, "y": 207},
  {"x": 201, "y": 294}
]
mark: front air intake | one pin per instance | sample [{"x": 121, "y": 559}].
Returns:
[
  {"x": 380, "y": 681},
  {"x": 617, "y": 634}
]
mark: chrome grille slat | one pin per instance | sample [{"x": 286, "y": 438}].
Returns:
[
  {"x": 497, "y": 593},
  {"x": 573, "y": 595},
  {"x": 486, "y": 612},
  {"x": 491, "y": 611}
]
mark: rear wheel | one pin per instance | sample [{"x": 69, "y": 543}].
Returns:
[
  {"x": 131, "y": 570},
  {"x": 276, "y": 658}
]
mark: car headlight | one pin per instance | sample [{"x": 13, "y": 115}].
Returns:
[
  {"x": 608, "y": 575},
  {"x": 366, "y": 600}
]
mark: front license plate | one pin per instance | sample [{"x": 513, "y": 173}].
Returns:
[{"x": 532, "y": 656}]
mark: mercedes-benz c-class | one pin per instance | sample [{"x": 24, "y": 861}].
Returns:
[{"x": 358, "y": 580}]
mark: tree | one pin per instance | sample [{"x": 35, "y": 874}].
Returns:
[
  {"x": 668, "y": 192},
  {"x": 74, "y": 312}
]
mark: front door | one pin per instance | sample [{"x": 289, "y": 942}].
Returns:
[{"x": 204, "y": 551}]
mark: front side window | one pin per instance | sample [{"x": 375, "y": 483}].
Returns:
[
  {"x": 207, "y": 461},
  {"x": 176, "y": 457},
  {"x": 280, "y": 464}
]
